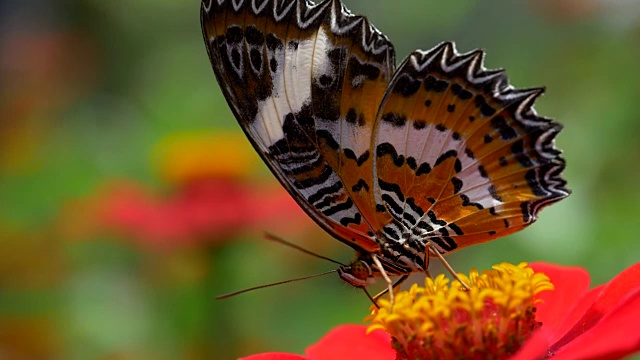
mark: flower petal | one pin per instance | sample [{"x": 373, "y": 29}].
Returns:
[
  {"x": 574, "y": 314},
  {"x": 608, "y": 299},
  {"x": 613, "y": 337},
  {"x": 274, "y": 356},
  {"x": 570, "y": 284},
  {"x": 535, "y": 347},
  {"x": 352, "y": 342}
]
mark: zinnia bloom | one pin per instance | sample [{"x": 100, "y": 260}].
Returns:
[
  {"x": 205, "y": 200},
  {"x": 203, "y": 210},
  {"x": 509, "y": 313}
]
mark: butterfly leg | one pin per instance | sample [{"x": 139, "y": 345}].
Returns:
[
  {"x": 446, "y": 264},
  {"x": 375, "y": 303},
  {"x": 396, "y": 284},
  {"x": 425, "y": 260},
  {"x": 386, "y": 278}
]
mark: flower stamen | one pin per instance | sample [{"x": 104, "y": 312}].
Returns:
[{"x": 444, "y": 320}]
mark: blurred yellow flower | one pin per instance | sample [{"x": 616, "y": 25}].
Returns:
[{"x": 185, "y": 157}]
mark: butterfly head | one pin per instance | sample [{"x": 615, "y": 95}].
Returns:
[
  {"x": 357, "y": 274},
  {"x": 364, "y": 271}
]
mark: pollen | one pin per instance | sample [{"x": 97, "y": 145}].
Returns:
[{"x": 443, "y": 320}]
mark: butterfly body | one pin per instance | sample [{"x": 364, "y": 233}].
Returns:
[{"x": 398, "y": 163}]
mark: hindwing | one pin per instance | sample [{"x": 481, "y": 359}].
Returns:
[{"x": 461, "y": 156}]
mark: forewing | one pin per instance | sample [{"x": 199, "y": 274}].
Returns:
[
  {"x": 461, "y": 156},
  {"x": 304, "y": 82}
]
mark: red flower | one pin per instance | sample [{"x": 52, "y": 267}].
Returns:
[
  {"x": 577, "y": 323},
  {"x": 343, "y": 342},
  {"x": 208, "y": 198},
  {"x": 201, "y": 210}
]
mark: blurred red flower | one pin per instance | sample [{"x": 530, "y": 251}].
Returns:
[
  {"x": 207, "y": 209},
  {"x": 42, "y": 72},
  {"x": 567, "y": 10},
  {"x": 208, "y": 199},
  {"x": 578, "y": 323}
]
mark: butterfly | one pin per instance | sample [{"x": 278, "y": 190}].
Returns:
[{"x": 400, "y": 163}]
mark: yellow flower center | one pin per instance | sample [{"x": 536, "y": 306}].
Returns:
[{"x": 491, "y": 320}]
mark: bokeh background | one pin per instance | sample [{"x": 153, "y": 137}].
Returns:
[{"x": 129, "y": 197}]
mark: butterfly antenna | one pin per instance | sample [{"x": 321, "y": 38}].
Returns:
[
  {"x": 282, "y": 241},
  {"x": 226, "y": 296}
]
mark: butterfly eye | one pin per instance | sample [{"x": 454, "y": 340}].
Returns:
[
  {"x": 358, "y": 274},
  {"x": 361, "y": 270}
]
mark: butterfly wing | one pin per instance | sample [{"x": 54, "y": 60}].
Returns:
[
  {"x": 462, "y": 157},
  {"x": 304, "y": 81}
]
